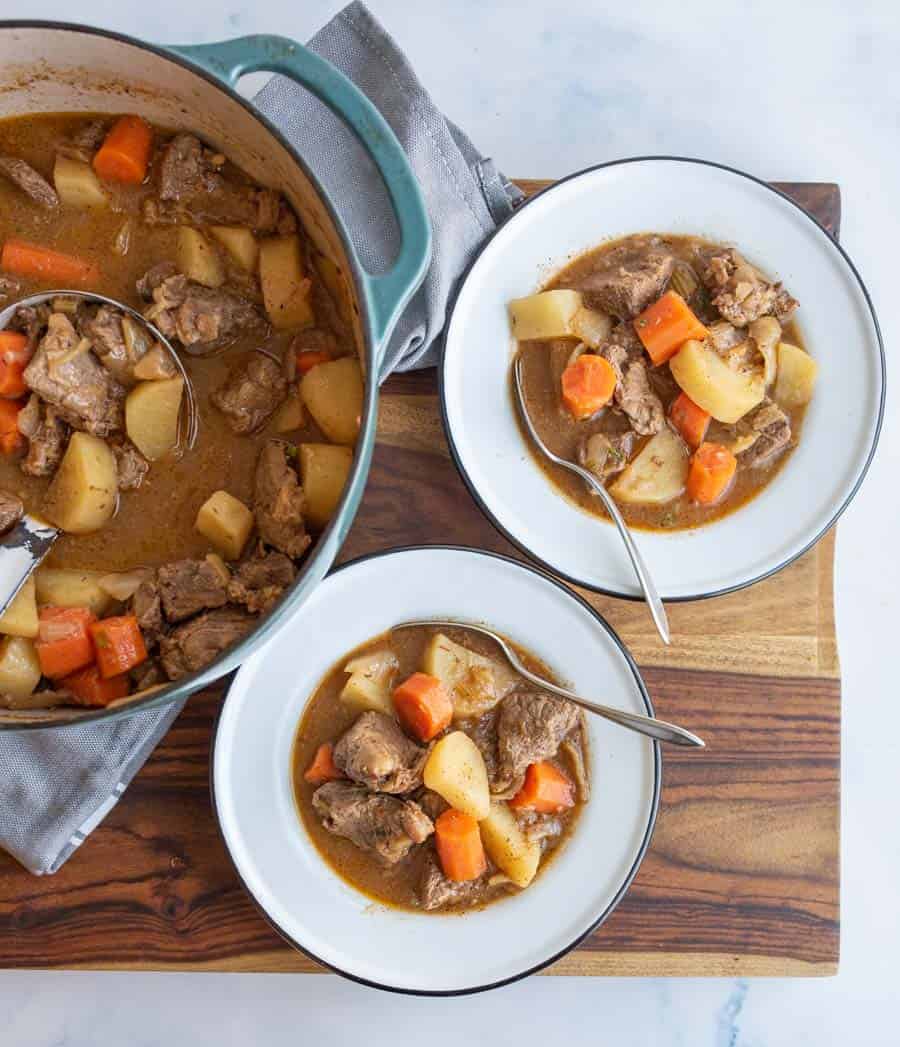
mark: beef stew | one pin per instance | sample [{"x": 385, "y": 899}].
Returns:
[
  {"x": 181, "y": 551},
  {"x": 432, "y": 777},
  {"x": 672, "y": 369}
]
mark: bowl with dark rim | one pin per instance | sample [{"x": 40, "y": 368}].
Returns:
[
  {"x": 666, "y": 195},
  {"x": 324, "y": 915}
]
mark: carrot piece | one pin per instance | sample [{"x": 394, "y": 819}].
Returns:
[
  {"x": 14, "y": 357},
  {"x": 64, "y": 641},
  {"x": 545, "y": 789},
  {"x": 587, "y": 385},
  {"x": 88, "y": 687},
  {"x": 310, "y": 358},
  {"x": 323, "y": 768},
  {"x": 712, "y": 469},
  {"x": 119, "y": 644},
  {"x": 11, "y": 440},
  {"x": 42, "y": 263},
  {"x": 459, "y": 847},
  {"x": 424, "y": 707},
  {"x": 666, "y": 325},
  {"x": 689, "y": 419},
  {"x": 125, "y": 153}
]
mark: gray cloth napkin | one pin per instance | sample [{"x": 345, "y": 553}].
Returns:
[{"x": 56, "y": 786}]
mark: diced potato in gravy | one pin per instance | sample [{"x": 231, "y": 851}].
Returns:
[
  {"x": 20, "y": 670},
  {"x": 152, "y": 410},
  {"x": 657, "y": 475},
  {"x": 76, "y": 184},
  {"x": 226, "y": 522},
  {"x": 548, "y": 314},
  {"x": 324, "y": 469},
  {"x": 370, "y": 684},
  {"x": 21, "y": 617},
  {"x": 475, "y": 683},
  {"x": 333, "y": 394},
  {"x": 455, "y": 770},
  {"x": 796, "y": 376},
  {"x": 508, "y": 847},
  {"x": 285, "y": 285},
  {"x": 240, "y": 244},
  {"x": 708, "y": 380},
  {"x": 84, "y": 493},
  {"x": 68, "y": 587},
  {"x": 198, "y": 259}
]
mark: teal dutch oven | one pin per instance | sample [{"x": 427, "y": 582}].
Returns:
[{"x": 55, "y": 67}]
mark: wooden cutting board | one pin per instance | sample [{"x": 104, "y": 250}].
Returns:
[{"x": 742, "y": 875}]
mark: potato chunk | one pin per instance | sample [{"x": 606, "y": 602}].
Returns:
[
  {"x": 84, "y": 493},
  {"x": 20, "y": 669},
  {"x": 657, "y": 475},
  {"x": 797, "y": 372},
  {"x": 21, "y": 617},
  {"x": 226, "y": 522},
  {"x": 324, "y": 469},
  {"x": 508, "y": 847},
  {"x": 152, "y": 410},
  {"x": 240, "y": 244},
  {"x": 475, "y": 683},
  {"x": 549, "y": 314},
  {"x": 198, "y": 259},
  {"x": 77, "y": 185},
  {"x": 291, "y": 415},
  {"x": 68, "y": 587},
  {"x": 455, "y": 770},
  {"x": 333, "y": 393},
  {"x": 708, "y": 380},
  {"x": 285, "y": 285},
  {"x": 371, "y": 682}
]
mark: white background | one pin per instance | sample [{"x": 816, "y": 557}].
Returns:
[{"x": 784, "y": 90}]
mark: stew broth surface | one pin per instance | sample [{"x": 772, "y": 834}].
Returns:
[{"x": 326, "y": 718}]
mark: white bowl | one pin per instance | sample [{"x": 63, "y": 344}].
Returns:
[
  {"x": 674, "y": 196},
  {"x": 318, "y": 911}
]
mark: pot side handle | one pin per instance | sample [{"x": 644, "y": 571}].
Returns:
[{"x": 387, "y": 294}]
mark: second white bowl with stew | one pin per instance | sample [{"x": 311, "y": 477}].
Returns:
[
  {"x": 380, "y": 922},
  {"x": 691, "y": 551}
]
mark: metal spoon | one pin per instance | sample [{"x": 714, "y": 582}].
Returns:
[
  {"x": 661, "y": 730},
  {"x": 657, "y": 610},
  {"x": 26, "y": 544}
]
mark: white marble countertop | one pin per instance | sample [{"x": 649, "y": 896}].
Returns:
[{"x": 789, "y": 91}]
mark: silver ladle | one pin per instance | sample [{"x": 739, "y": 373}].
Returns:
[
  {"x": 657, "y": 610},
  {"x": 29, "y": 541},
  {"x": 660, "y": 730}
]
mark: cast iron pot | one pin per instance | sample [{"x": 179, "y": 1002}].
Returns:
[{"x": 53, "y": 67}]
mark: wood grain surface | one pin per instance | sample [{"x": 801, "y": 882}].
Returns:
[{"x": 742, "y": 875}]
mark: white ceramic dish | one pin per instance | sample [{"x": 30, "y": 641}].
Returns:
[
  {"x": 678, "y": 196},
  {"x": 320, "y": 913}
]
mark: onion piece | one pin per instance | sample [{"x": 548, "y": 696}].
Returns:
[{"x": 122, "y": 585}]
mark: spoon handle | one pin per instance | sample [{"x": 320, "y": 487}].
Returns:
[{"x": 654, "y": 602}]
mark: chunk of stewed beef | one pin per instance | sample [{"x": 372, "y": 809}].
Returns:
[
  {"x": 201, "y": 318},
  {"x": 47, "y": 435},
  {"x": 146, "y": 606},
  {"x": 11, "y": 511},
  {"x": 258, "y": 583},
  {"x": 84, "y": 142},
  {"x": 147, "y": 674},
  {"x": 741, "y": 294},
  {"x": 634, "y": 395},
  {"x": 29, "y": 181},
  {"x": 770, "y": 429},
  {"x": 628, "y": 279},
  {"x": 195, "y": 643},
  {"x": 251, "y": 393},
  {"x": 119, "y": 341},
  {"x": 10, "y": 286},
  {"x": 192, "y": 186},
  {"x": 385, "y": 825},
  {"x": 606, "y": 454},
  {"x": 437, "y": 892},
  {"x": 278, "y": 500},
  {"x": 530, "y": 727},
  {"x": 189, "y": 586},
  {"x": 65, "y": 373},
  {"x": 377, "y": 754},
  {"x": 131, "y": 465}
]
